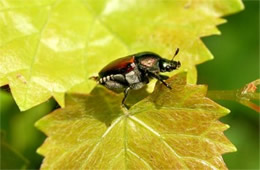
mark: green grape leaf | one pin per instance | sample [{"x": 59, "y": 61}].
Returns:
[
  {"x": 10, "y": 158},
  {"x": 169, "y": 129},
  {"x": 49, "y": 47}
]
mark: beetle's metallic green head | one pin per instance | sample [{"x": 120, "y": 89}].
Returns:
[{"x": 169, "y": 65}]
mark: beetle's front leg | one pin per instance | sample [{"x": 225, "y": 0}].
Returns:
[
  {"x": 164, "y": 77},
  {"x": 158, "y": 77}
]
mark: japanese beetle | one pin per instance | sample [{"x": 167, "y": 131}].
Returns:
[{"x": 134, "y": 71}]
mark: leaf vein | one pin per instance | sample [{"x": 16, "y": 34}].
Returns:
[
  {"x": 202, "y": 161},
  {"x": 201, "y": 137},
  {"x": 97, "y": 144},
  {"x": 163, "y": 141},
  {"x": 37, "y": 50},
  {"x": 140, "y": 158},
  {"x": 99, "y": 18}
]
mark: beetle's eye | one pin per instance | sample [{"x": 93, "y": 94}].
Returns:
[{"x": 164, "y": 65}]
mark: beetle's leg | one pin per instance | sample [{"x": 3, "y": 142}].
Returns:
[
  {"x": 95, "y": 78},
  {"x": 158, "y": 77},
  {"x": 125, "y": 96},
  {"x": 164, "y": 77}
]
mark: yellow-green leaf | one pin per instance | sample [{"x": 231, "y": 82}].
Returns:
[
  {"x": 48, "y": 47},
  {"x": 170, "y": 129}
]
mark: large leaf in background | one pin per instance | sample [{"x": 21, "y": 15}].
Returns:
[
  {"x": 170, "y": 129},
  {"x": 48, "y": 47}
]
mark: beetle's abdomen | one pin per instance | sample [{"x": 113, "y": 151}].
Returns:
[{"x": 113, "y": 77}]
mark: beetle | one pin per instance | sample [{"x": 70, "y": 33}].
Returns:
[{"x": 134, "y": 71}]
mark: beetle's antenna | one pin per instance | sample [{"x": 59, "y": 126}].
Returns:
[{"x": 176, "y": 53}]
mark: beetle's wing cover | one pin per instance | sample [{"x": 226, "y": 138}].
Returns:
[{"x": 119, "y": 66}]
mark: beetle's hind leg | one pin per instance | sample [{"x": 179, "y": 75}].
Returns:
[
  {"x": 125, "y": 96},
  {"x": 115, "y": 83}
]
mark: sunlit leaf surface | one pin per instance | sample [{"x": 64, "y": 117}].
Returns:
[
  {"x": 48, "y": 47},
  {"x": 175, "y": 129}
]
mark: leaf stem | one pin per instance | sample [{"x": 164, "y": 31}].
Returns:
[
  {"x": 243, "y": 95},
  {"x": 222, "y": 94}
]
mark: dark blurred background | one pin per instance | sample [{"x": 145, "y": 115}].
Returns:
[{"x": 236, "y": 63}]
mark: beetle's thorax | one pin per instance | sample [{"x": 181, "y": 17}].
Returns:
[{"x": 148, "y": 62}]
